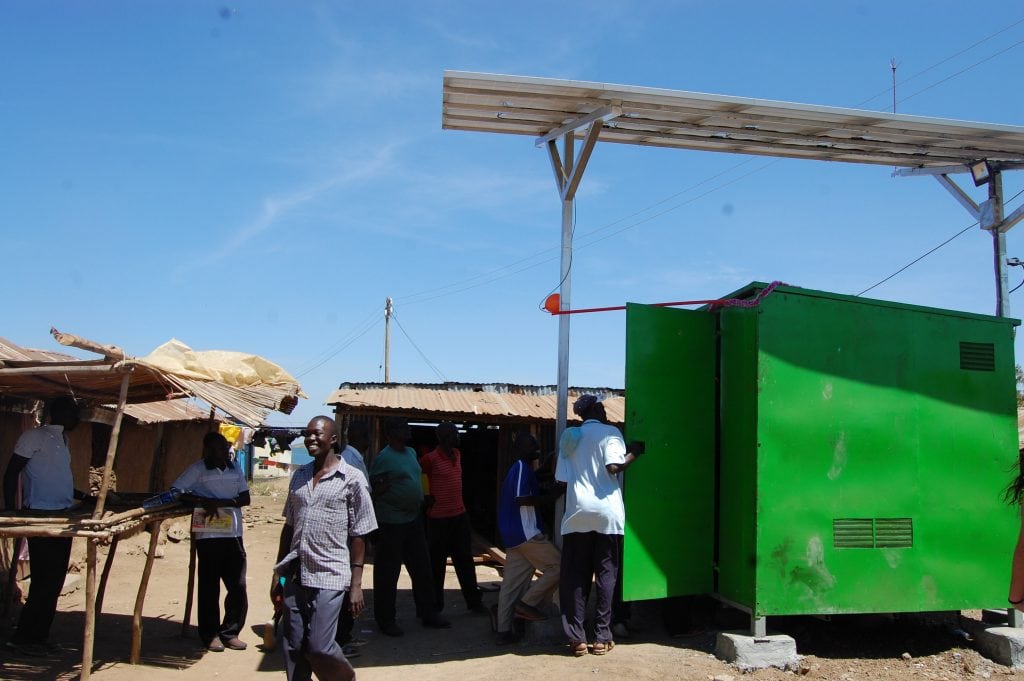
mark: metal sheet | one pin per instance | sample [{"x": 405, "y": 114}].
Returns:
[
  {"x": 669, "y": 492},
  {"x": 522, "y": 105}
]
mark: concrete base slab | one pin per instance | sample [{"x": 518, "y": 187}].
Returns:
[
  {"x": 750, "y": 653},
  {"x": 1004, "y": 645}
]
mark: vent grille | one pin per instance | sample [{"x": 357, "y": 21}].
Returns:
[
  {"x": 853, "y": 533},
  {"x": 977, "y": 356},
  {"x": 873, "y": 533}
]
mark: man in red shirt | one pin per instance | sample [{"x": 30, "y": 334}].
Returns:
[{"x": 448, "y": 530}]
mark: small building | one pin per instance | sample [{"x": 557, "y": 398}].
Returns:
[{"x": 488, "y": 415}]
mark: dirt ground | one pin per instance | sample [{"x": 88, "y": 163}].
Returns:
[{"x": 667, "y": 642}]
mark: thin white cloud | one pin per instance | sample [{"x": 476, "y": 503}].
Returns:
[{"x": 276, "y": 208}]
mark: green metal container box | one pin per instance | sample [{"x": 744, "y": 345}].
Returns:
[{"x": 820, "y": 454}]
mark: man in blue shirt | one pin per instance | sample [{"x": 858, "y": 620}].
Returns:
[{"x": 526, "y": 543}]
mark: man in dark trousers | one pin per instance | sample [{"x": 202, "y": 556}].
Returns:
[
  {"x": 398, "y": 500},
  {"x": 590, "y": 458},
  {"x": 217, "y": 489},
  {"x": 43, "y": 461},
  {"x": 448, "y": 529},
  {"x": 328, "y": 513}
]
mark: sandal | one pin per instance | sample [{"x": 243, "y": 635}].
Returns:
[
  {"x": 578, "y": 648},
  {"x": 603, "y": 647}
]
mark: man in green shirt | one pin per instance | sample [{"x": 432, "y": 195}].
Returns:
[{"x": 397, "y": 502}]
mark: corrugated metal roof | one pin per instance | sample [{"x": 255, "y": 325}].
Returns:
[
  {"x": 678, "y": 119},
  {"x": 9, "y": 350},
  {"x": 468, "y": 400}
]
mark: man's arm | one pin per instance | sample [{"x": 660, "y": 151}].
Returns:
[
  {"x": 633, "y": 452},
  {"x": 14, "y": 468},
  {"x": 357, "y": 552}
]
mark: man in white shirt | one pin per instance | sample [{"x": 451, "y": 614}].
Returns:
[
  {"x": 217, "y": 488},
  {"x": 42, "y": 459},
  {"x": 590, "y": 458}
]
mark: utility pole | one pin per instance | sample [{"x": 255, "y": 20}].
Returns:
[{"x": 387, "y": 340}]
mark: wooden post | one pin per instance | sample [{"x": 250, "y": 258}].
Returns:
[
  {"x": 90, "y": 609},
  {"x": 101, "y": 500},
  {"x": 12, "y": 577},
  {"x": 103, "y": 578},
  {"x": 154, "y": 537},
  {"x": 191, "y": 585}
]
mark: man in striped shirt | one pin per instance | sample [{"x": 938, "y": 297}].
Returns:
[{"x": 328, "y": 508}]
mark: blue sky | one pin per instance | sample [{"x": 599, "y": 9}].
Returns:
[{"x": 260, "y": 176}]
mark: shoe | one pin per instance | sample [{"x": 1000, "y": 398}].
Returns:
[
  {"x": 603, "y": 647},
  {"x": 391, "y": 629},
  {"x": 350, "y": 651},
  {"x": 236, "y": 643},
  {"x": 215, "y": 646},
  {"x": 578, "y": 648},
  {"x": 529, "y": 613},
  {"x": 436, "y": 622},
  {"x": 504, "y": 638},
  {"x": 356, "y": 641},
  {"x": 620, "y": 629},
  {"x": 480, "y": 609}
]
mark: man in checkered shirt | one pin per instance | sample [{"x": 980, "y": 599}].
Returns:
[{"x": 328, "y": 503}]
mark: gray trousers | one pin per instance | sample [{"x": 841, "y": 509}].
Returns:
[{"x": 310, "y": 624}]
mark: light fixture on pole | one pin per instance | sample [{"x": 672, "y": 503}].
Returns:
[{"x": 981, "y": 171}]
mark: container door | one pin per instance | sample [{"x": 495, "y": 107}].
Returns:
[{"x": 669, "y": 492}]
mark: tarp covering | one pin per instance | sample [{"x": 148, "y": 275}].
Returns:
[{"x": 236, "y": 369}]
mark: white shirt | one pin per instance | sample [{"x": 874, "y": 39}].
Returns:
[
  {"x": 353, "y": 458},
  {"x": 593, "y": 500},
  {"x": 48, "y": 483},
  {"x": 215, "y": 483}
]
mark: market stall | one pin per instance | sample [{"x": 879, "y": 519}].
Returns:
[{"x": 246, "y": 387}]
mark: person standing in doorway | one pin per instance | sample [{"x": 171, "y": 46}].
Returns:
[
  {"x": 448, "y": 528},
  {"x": 590, "y": 458},
  {"x": 398, "y": 500},
  {"x": 217, "y": 489}
]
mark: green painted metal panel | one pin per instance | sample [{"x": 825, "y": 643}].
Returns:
[
  {"x": 669, "y": 492},
  {"x": 737, "y": 493},
  {"x": 880, "y": 458}
]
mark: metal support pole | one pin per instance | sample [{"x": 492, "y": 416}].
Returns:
[
  {"x": 565, "y": 295},
  {"x": 995, "y": 197}
]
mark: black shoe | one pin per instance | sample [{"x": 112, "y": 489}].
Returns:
[
  {"x": 391, "y": 629},
  {"x": 436, "y": 622},
  {"x": 350, "y": 651}
]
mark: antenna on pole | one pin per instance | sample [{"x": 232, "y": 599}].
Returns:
[
  {"x": 387, "y": 340},
  {"x": 893, "y": 65}
]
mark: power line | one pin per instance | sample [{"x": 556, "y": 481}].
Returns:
[
  {"x": 965, "y": 70},
  {"x": 425, "y": 359},
  {"x": 929, "y": 252},
  {"x": 940, "y": 63}
]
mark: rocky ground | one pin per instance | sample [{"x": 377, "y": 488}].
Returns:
[{"x": 667, "y": 643}]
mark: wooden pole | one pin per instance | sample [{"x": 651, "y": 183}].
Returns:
[
  {"x": 90, "y": 610},
  {"x": 154, "y": 529},
  {"x": 12, "y": 577},
  {"x": 191, "y": 585},
  {"x": 112, "y": 447},
  {"x": 103, "y": 578}
]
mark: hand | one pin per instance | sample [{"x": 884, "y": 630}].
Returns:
[
  {"x": 277, "y": 595},
  {"x": 636, "y": 448},
  {"x": 211, "y": 509},
  {"x": 356, "y": 601}
]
